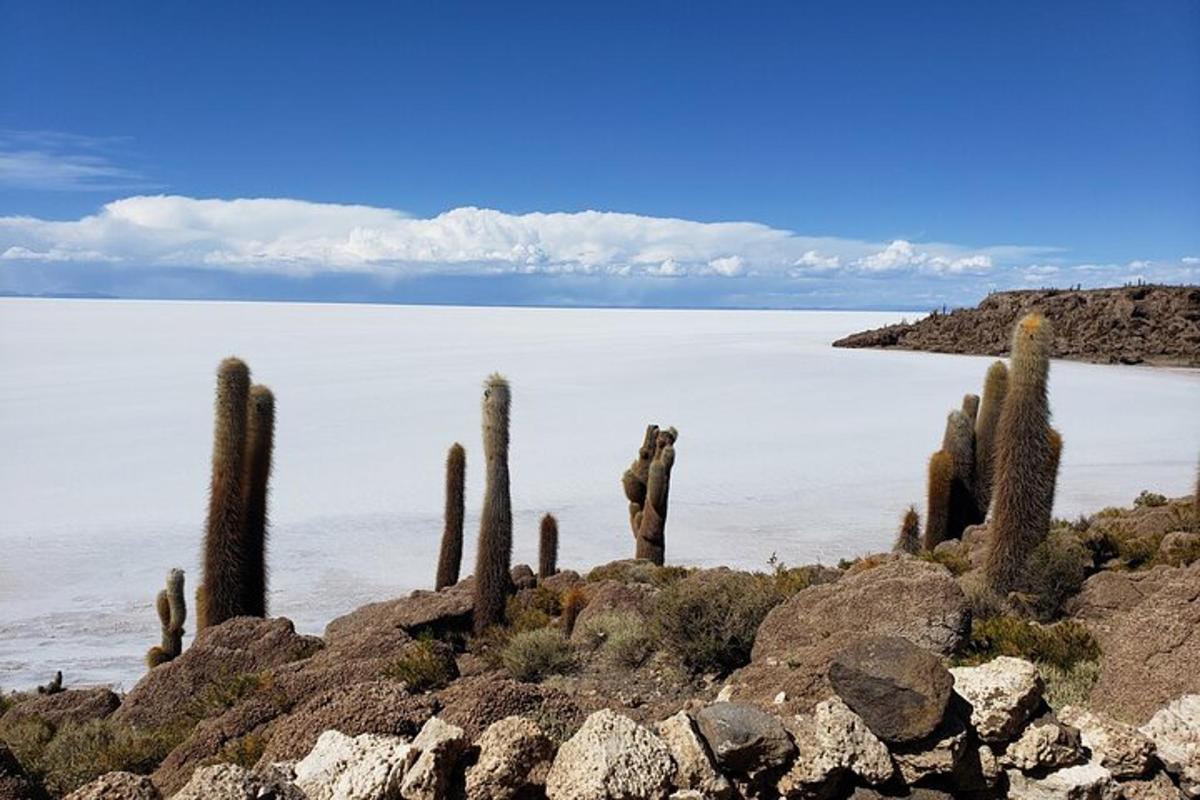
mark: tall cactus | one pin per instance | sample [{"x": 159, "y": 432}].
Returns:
[
  {"x": 492, "y": 579},
  {"x": 909, "y": 538},
  {"x": 970, "y": 406},
  {"x": 959, "y": 442},
  {"x": 647, "y": 485},
  {"x": 450, "y": 556},
  {"x": 1025, "y": 459},
  {"x": 548, "y": 547},
  {"x": 937, "y": 509},
  {"x": 259, "y": 447},
  {"x": 995, "y": 388},
  {"x": 224, "y": 559},
  {"x": 172, "y": 613}
]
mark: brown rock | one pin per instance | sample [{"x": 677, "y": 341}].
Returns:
[
  {"x": 562, "y": 581},
  {"x": 438, "y": 613},
  {"x": 73, "y": 705},
  {"x": 117, "y": 786},
  {"x": 14, "y": 783},
  {"x": 475, "y": 703}
]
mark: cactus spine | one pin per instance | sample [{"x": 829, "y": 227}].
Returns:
[
  {"x": 492, "y": 578},
  {"x": 260, "y": 443},
  {"x": 937, "y": 511},
  {"x": 450, "y": 556},
  {"x": 172, "y": 613},
  {"x": 995, "y": 388},
  {"x": 647, "y": 485},
  {"x": 909, "y": 538},
  {"x": 1025, "y": 460},
  {"x": 224, "y": 559},
  {"x": 548, "y": 547}
]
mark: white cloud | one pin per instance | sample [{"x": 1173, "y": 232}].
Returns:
[
  {"x": 1190, "y": 260},
  {"x": 296, "y": 237},
  {"x": 62, "y": 162}
]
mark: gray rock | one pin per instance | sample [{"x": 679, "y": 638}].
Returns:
[
  {"x": 1121, "y": 749},
  {"x": 1045, "y": 744},
  {"x": 694, "y": 765},
  {"x": 937, "y": 754},
  {"x": 440, "y": 745},
  {"x": 1083, "y": 782},
  {"x": 364, "y": 767},
  {"x": 900, "y": 690},
  {"x": 831, "y": 742},
  {"x": 1002, "y": 694},
  {"x": 611, "y": 757},
  {"x": 231, "y": 782},
  {"x": 512, "y": 753},
  {"x": 115, "y": 786},
  {"x": 1175, "y": 731},
  {"x": 744, "y": 739}
]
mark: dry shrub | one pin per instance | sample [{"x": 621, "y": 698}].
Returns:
[
  {"x": 536, "y": 654},
  {"x": 621, "y": 638},
  {"x": 422, "y": 665},
  {"x": 1062, "y": 645},
  {"x": 1054, "y": 573}
]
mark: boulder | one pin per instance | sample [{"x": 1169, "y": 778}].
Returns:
[
  {"x": 1045, "y": 744},
  {"x": 832, "y": 743},
  {"x": 115, "y": 786},
  {"x": 1001, "y": 693},
  {"x": 900, "y": 690},
  {"x": 523, "y": 577},
  {"x": 798, "y": 640},
  {"x": 440, "y": 746},
  {"x": 1179, "y": 548},
  {"x": 1083, "y": 782},
  {"x": 475, "y": 703},
  {"x": 437, "y": 613},
  {"x": 694, "y": 769},
  {"x": 743, "y": 739},
  {"x": 1151, "y": 654},
  {"x": 220, "y": 653},
  {"x": 73, "y": 705},
  {"x": 378, "y": 707},
  {"x": 1157, "y": 787},
  {"x": 365, "y": 767},
  {"x": 611, "y": 757},
  {"x": 937, "y": 754},
  {"x": 562, "y": 581},
  {"x": 231, "y": 782},
  {"x": 1175, "y": 731},
  {"x": 513, "y": 753},
  {"x": 1121, "y": 749}
]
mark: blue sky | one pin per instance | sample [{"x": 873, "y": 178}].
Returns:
[{"x": 871, "y": 154}]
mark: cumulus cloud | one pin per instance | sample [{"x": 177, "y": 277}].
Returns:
[{"x": 296, "y": 237}]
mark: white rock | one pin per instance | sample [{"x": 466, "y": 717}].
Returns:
[
  {"x": 365, "y": 767},
  {"x": 1119, "y": 748},
  {"x": 440, "y": 745},
  {"x": 1175, "y": 731},
  {"x": 694, "y": 766},
  {"x": 937, "y": 754},
  {"x": 231, "y": 782},
  {"x": 511, "y": 752},
  {"x": 1045, "y": 744},
  {"x": 1083, "y": 782},
  {"x": 611, "y": 757},
  {"x": 831, "y": 739},
  {"x": 1002, "y": 694},
  {"x": 726, "y": 693}
]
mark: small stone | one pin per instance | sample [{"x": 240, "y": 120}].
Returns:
[
  {"x": 1002, "y": 694},
  {"x": 744, "y": 739},
  {"x": 694, "y": 766},
  {"x": 1119, "y": 748},
  {"x": 1157, "y": 787},
  {"x": 726, "y": 693},
  {"x": 780, "y": 698}
]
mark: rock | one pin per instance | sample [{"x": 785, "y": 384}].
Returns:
[
  {"x": 562, "y": 581},
  {"x": 1160, "y": 631},
  {"x": 1111, "y": 592},
  {"x": 475, "y": 703},
  {"x": 1002, "y": 694},
  {"x": 625, "y": 570},
  {"x": 693, "y": 762},
  {"x": 440, "y": 746},
  {"x": 14, "y": 783},
  {"x": 1083, "y": 782},
  {"x": 512, "y": 753},
  {"x": 915, "y": 793},
  {"x": 1045, "y": 744},
  {"x": 830, "y": 742},
  {"x": 1157, "y": 787},
  {"x": 611, "y": 757},
  {"x": 937, "y": 754},
  {"x": 437, "y": 613},
  {"x": 1175, "y": 731},
  {"x": 1121, "y": 749},
  {"x": 523, "y": 577},
  {"x": 73, "y": 705},
  {"x": 115, "y": 786},
  {"x": 219, "y": 653},
  {"x": 900, "y": 690},
  {"x": 231, "y": 782},
  {"x": 1179, "y": 548},
  {"x": 612, "y": 597},
  {"x": 799, "y": 638},
  {"x": 744, "y": 739},
  {"x": 364, "y": 767},
  {"x": 379, "y": 707}
]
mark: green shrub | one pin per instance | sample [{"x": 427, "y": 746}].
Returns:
[
  {"x": 1063, "y": 644},
  {"x": 244, "y": 752},
  {"x": 1054, "y": 573},
  {"x": 621, "y": 638},
  {"x": 422, "y": 666},
  {"x": 536, "y": 654},
  {"x": 709, "y": 620},
  {"x": 952, "y": 558},
  {"x": 983, "y": 601},
  {"x": 1149, "y": 499}
]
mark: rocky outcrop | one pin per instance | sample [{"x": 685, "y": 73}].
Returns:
[
  {"x": 833, "y": 745},
  {"x": 1121, "y": 749},
  {"x": 1130, "y": 325},
  {"x": 475, "y": 703},
  {"x": 437, "y": 613},
  {"x": 73, "y": 705},
  {"x": 611, "y": 757}
]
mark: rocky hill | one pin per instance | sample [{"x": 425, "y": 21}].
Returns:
[{"x": 1157, "y": 325}]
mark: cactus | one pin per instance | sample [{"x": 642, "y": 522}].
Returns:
[
  {"x": 54, "y": 686},
  {"x": 647, "y": 485},
  {"x": 909, "y": 538},
  {"x": 970, "y": 407},
  {"x": 224, "y": 553},
  {"x": 259, "y": 444},
  {"x": 995, "y": 388},
  {"x": 937, "y": 511},
  {"x": 548, "y": 547},
  {"x": 959, "y": 442},
  {"x": 1056, "y": 446},
  {"x": 493, "y": 582},
  {"x": 573, "y": 601},
  {"x": 1025, "y": 461},
  {"x": 172, "y": 613},
  {"x": 450, "y": 556}
]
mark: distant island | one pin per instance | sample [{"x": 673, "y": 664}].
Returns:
[{"x": 1143, "y": 324}]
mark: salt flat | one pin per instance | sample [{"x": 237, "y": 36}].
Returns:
[{"x": 786, "y": 446}]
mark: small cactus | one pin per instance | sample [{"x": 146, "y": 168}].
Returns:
[
  {"x": 450, "y": 555},
  {"x": 647, "y": 485},
  {"x": 995, "y": 388},
  {"x": 172, "y": 613},
  {"x": 54, "y": 686},
  {"x": 909, "y": 538},
  {"x": 260, "y": 443},
  {"x": 493, "y": 582},
  {"x": 937, "y": 511},
  {"x": 548, "y": 547},
  {"x": 573, "y": 601}
]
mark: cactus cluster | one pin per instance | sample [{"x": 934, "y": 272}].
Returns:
[
  {"x": 172, "y": 613},
  {"x": 647, "y": 485},
  {"x": 235, "y": 577},
  {"x": 450, "y": 555},
  {"x": 493, "y": 582}
]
